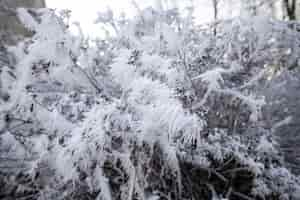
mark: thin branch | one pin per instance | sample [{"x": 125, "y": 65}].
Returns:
[
  {"x": 229, "y": 193},
  {"x": 237, "y": 170},
  {"x": 220, "y": 176},
  {"x": 226, "y": 163}
]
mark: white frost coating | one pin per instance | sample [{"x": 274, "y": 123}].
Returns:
[
  {"x": 255, "y": 79},
  {"x": 115, "y": 130},
  {"x": 161, "y": 112},
  {"x": 255, "y": 104},
  {"x": 53, "y": 120},
  {"x": 103, "y": 183},
  {"x": 121, "y": 70},
  {"x": 27, "y": 19},
  {"x": 13, "y": 145},
  {"x": 160, "y": 66},
  {"x": 286, "y": 121},
  {"x": 265, "y": 146},
  {"x": 86, "y": 144},
  {"x": 214, "y": 80},
  {"x": 172, "y": 38},
  {"x": 104, "y": 17}
]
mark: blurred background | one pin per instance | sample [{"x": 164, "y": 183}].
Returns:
[{"x": 205, "y": 11}]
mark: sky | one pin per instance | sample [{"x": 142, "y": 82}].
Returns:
[{"x": 85, "y": 11}]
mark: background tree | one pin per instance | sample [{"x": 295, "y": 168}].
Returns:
[
  {"x": 215, "y": 4},
  {"x": 291, "y": 9}
]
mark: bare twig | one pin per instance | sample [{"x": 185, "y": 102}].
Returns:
[
  {"x": 225, "y": 164},
  {"x": 242, "y": 196},
  {"x": 220, "y": 176}
]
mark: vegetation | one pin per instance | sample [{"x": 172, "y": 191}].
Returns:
[{"x": 165, "y": 109}]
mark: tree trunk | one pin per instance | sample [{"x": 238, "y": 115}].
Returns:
[
  {"x": 215, "y": 6},
  {"x": 253, "y": 8},
  {"x": 290, "y": 7}
]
